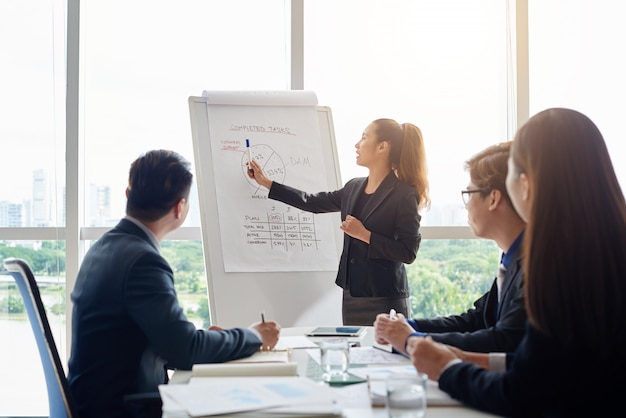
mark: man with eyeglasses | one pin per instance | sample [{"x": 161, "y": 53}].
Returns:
[{"x": 496, "y": 322}]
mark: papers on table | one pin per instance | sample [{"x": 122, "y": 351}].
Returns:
[
  {"x": 382, "y": 373},
  {"x": 271, "y": 356},
  {"x": 376, "y": 377},
  {"x": 296, "y": 341},
  {"x": 266, "y": 396},
  {"x": 367, "y": 355}
]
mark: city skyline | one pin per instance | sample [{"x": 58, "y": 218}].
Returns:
[{"x": 42, "y": 208}]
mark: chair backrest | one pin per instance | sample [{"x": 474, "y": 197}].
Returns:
[{"x": 59, "y": 397}]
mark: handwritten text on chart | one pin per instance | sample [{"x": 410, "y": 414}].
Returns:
[
  {"x": 258, "y": 128},
  {"x": 282, "y": 231}
]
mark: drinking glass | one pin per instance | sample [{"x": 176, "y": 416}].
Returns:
[
  {"x": 406, "y": 396},
  {"x": 335, "y": 357}
]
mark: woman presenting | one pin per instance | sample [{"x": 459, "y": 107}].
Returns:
[{"x": 380, "y": 216}]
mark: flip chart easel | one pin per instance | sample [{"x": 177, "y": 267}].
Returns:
[{"x": 253, "y": 274}]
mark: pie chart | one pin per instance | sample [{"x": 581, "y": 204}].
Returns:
[{"x": 273, "y": 166}]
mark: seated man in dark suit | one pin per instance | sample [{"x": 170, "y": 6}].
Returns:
[
  {"x": 497, "y": 321},
  {"x": 127, "y": 325}
]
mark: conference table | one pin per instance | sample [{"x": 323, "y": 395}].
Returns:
[{"x": 360, "y": 407}]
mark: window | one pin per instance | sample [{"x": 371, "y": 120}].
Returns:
[
  {"x": 578, "y": 64},
  {"x": 32, "y": 131},
  {"x": 32, "y": 104},
  {"x": 136, "y": 82},
  {"x": 439, "y": 65}
]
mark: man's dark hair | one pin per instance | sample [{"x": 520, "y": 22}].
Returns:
[{"x": 157, "y": 181}]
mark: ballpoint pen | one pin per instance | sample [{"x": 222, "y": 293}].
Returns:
[
  {"x": 263, "y": 317},
  {"x": 392, "y": 313}
]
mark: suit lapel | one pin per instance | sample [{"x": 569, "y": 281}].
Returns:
[
  {"x": 510, "y": 272},
  {"x": 379, "y": 195},
  {"x": 492, "y": 309},
  {"x": 354, "y": 195}
]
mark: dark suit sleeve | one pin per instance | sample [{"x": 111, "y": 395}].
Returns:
[
  {"x": 403, "y": 242},
  {"x": 322, "y": 202},
  {"x": 152, "y": 303},
  {"x": 477, "y": 330}
]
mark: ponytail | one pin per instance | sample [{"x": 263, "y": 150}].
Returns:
[{"x": 407, "y": 155}]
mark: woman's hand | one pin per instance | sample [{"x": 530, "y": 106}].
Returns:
[
  {"x": 256, "y": 172},
  {"x": 353, "y": 227}
]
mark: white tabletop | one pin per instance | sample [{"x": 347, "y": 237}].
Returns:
[{"x": 359, "y": 405}]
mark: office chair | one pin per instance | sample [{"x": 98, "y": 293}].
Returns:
[{"x": 60, "y": 399}]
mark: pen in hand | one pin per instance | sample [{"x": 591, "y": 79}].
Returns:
[
  {"x": 392, "y": 313},
  {"x": 268, "y": 348},
  {"x": 249, "y": 155}
]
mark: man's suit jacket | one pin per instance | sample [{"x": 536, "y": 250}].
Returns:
[
  {"x": 478, "y": 329},
  {"x": 375, "y": 269},
  {"x": 127, "y": 324}
]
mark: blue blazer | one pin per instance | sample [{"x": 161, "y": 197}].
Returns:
[
  {"x": 127, "y": 325},
  {"x": 391, "y": 214},
  {"x": 478, "y": 329}
]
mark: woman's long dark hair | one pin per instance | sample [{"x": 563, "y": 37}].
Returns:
[{"x": 575, "y": 242}]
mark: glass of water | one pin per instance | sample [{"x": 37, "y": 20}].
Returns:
[
  {"x": 406, "y": 396},
  {"x": 335, "y": 358}
]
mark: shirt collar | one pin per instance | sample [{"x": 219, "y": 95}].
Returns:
[
  {"x": 153, "y": 238},
  {"x": 507, "y": 257}
]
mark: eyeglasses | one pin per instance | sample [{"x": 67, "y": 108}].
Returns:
[{"x": 466, "y": 195}]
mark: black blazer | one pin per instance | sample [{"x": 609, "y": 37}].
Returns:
[
  {"x": 391, "y": 214},
  {"x": 477, "y": 329}
]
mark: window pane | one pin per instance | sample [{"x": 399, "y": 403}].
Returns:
[
  {"x": 440, "y": 65},
  {"x": 32, "y": 105},
  {"x": 576, "y": 61},
  {"x": 137, "y": 81},
  {"x": 449, "y": 275},
  {"x": 187, "y": 262}
]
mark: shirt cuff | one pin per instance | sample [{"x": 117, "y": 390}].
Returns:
[
  {"x": 413, "y": 324},
  {"x": 257, "y": 333},
  {"x": 497, "y": 362},
  {"x": 450, "y": 364},
  {"x": 413, "y": 334}
]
